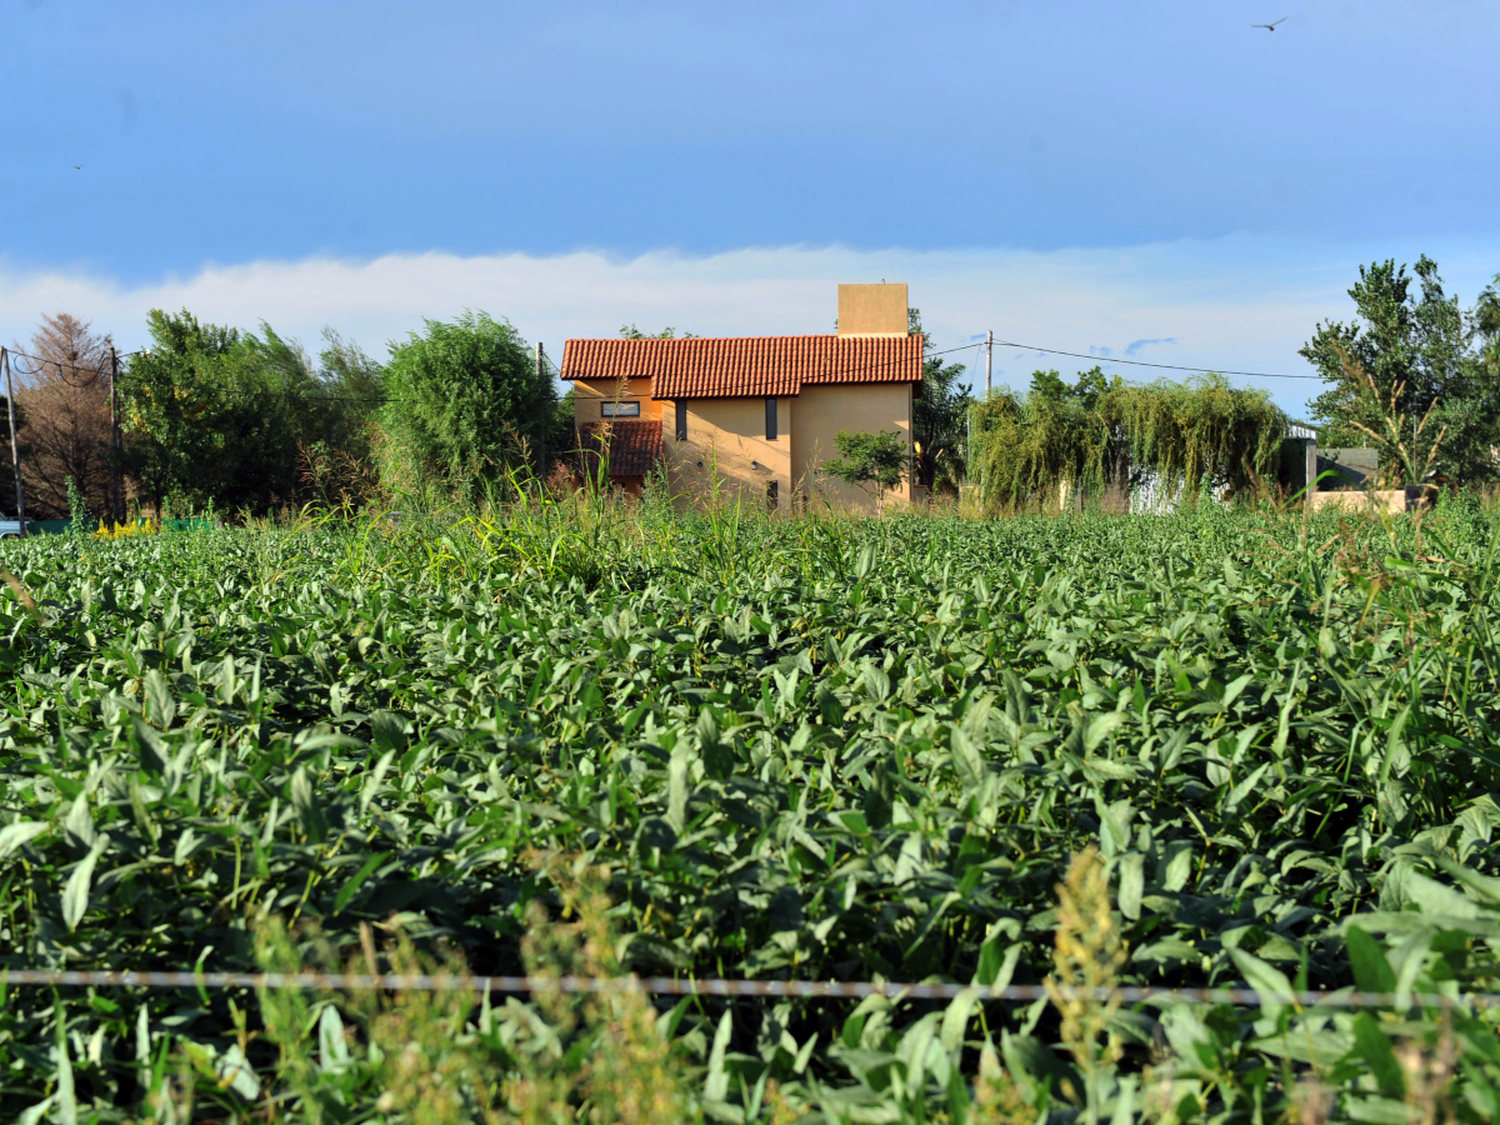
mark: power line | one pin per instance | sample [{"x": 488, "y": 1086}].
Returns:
[
  {"x": 62, "y": 368},
  {"x": 1164, "y": 366},
  {"x": 45, "y": 362},
  {"x": 673, "y": 986}
]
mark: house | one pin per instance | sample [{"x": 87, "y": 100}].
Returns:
[{"x": 754, "y": 416}]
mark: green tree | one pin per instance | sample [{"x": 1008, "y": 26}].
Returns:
[
  {"x": 218, "y": 416},
  {"x": 465, "y": 404},
  {"x": 196, "y": 416},
  {"x": 1408, "y": 356},
  {"x": 338, "y": 433},
  {"x": 865, "y": 458},
  {"x": 562, "y": 433},
  {"x": 938, "y": 420},
  {"x": 1031, "y": 449},
  {"x": 631, "y": 332},
  {"x": 1487, "y": 328}
]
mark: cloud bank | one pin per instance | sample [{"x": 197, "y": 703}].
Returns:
[{"x": 1231, "y": 303}]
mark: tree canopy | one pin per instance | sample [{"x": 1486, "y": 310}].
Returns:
[
  {"x": 63, "y": 385},
  {"x": 867, "y": 458},
  {"x": 465, "y": 405},
  {"x": 1413, "y": 374},
  {"x": 229, "y": 418},
  {"x": 939, "y": 420},
  {"x": 1094, "y": 432}
]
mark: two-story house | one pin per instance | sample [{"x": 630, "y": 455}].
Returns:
[{"x": 753, "y": 415}]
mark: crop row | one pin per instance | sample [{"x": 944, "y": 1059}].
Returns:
[{"x": 794, "y": 751}]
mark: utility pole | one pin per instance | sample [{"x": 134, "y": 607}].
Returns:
[
  {"x": 15, "y": 443},
  {"x": 114, "y": 438},
  {"x": 989, "y": 362},
  {"x": 541, "y": 382}
]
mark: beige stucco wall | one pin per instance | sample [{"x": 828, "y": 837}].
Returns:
[
  {"x": 872, "y": 310},
  {"x": 821, "y": 412},
  {"x": 589, "y": 396},
  {"x": 726, "y": 445}
]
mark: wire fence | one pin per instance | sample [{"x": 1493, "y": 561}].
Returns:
[{"x": 790, "y": 989}]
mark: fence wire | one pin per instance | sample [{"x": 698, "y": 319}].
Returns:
[{"x": 792, "y": 989}]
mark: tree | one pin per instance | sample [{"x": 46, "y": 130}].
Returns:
[
  {"x": 219, "y": 416},
  {"x": 65, "y": 393},
  {"x": 1487, "y": 327},
  {"x": 866, "y": 458},
  {"x": 939, "y": 419},
  {"x": 562, "y": 431},
  {"x": 1405, "y": 357},
  {"x": 631, "y": 332},
  {"x": 173, "y": 401},
  {"x": 338, "y": 434},
  {"x": 938, "y": 424},
  {"x": 1030, "y": 448},
  {"x": 465, "y": 404}
]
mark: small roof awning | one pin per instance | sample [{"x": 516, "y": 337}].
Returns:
[{"x": 632, "y": 447}]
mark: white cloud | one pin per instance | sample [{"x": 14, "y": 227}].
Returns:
[{"x": 1233, "y": 303}]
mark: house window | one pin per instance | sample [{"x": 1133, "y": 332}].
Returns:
[
  {"x": 773, "y": 493},
  {"x": 770, "y": 419},
  {"x": 681, "y": 408},
  {"x": 622, "y": 410}
]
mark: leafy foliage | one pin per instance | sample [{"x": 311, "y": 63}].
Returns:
[
  {"x": 781, "y": 748},
  {"x": 939, "y": 418},
  {"x": 1416, "y": 350},
  {"x": 466, "y": 405},
  {"x": 1028, "y": 448},
  {"x": 221, "y": 418},
  {"x": 631, "y": 332},
  {"x": 866, "y": 458}
]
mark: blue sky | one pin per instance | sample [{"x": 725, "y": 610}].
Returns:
[{"x": 1164, "y": 171}]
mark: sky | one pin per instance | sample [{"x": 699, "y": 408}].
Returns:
[{"x": 1161, "y": 182}]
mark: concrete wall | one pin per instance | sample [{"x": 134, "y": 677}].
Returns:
[
  {"x": 821, "y": 412},
  {"x": 726, "y": 446},
  {"x": 872, "y": 310}
]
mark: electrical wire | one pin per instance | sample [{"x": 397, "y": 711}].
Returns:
[
  {"x": 1164, "y": 366},
  {"x": 21, "y": 369},
  {"x": 59, "y": 364}
]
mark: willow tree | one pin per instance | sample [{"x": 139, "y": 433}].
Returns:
[
  {"x": 1031, "y": 449},
  {"x": 1025, "y": 447}
]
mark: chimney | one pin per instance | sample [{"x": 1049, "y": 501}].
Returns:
[{"x": 872, "y": 310}]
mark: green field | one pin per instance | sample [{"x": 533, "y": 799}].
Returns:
[{"x": 810, "y": 749}]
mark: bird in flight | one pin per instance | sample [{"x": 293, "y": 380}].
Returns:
[
  {"x": 1269, "y": 26},
  {"x": 78, "y": 166}
]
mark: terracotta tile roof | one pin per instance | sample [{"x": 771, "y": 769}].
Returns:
[
  {"x": 746, "y": 366},
  {"x": 634, "y": 446}
]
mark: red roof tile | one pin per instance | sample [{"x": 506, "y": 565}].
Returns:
[
  {"x": 746, "y": 366},
  {"x": 633, "y": 447}
]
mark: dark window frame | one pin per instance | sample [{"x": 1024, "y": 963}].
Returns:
[
  {"x": 682, "y": 413},
  {"x": 630, "y": 408},
  {"x": 770, "y": 419}
]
